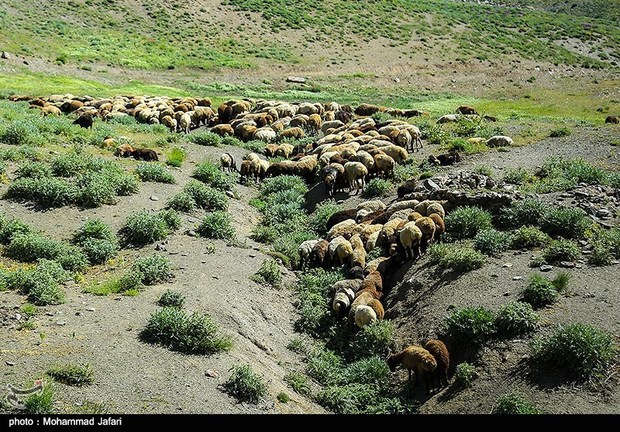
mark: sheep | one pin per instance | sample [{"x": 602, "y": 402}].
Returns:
[
  {"x": 185, "y": 122},
  {"x": 403, "y": 205},
  {"x": 245, "y": 131},
  {"x": 319, "y": 253},
  {"x": 358, "y": 257},
  {"x": 341, "y": 302},
  {"x": 264, "y": 167},
  {"x": 245, "y": 171},
  {"x": 285, "y": 167},
  {"x": 444, "y": 159},
  {"x": 410, "y": 236},
  {"x": 170, "y": 123},
  {"x": 612, "y": 119},
  {"x": 356, "y": 272},
  {"x": 334, "y": 124},
  {"x": 50, "y": 110},
  {"x": 356, "y": 174},
  {"x": 364, "y": 315},
  {"x": 145, "y": 154},
  {"x": 368, "y": 230},
  {"x": 306, "y": 167},
  {"x": 366, "y": 110},
  {"x": 422, "y": 206},
  {"x": 500, "y": 141},
  {"x": 389, "y": 229},
  {"x": 124, "y": 150},
  {"x": 344, "y": 252},
  {"x": 427, "y": 226},
  {"x": 285, "y": 150},
  {"x": 360, "y": 300},
  {"x": 314, "y": 122},
  {"x": 400, "y": 214},
  {"x": 397, "y": 153},
  {"x": 227, "y": 162},
  {"x": 448, "y": 118},
  {"x": 406, "y": 188},
  {"x": 378, "y": 308},
  {"x": 384, "y": 165},
  {"x": 108, "y": 142},
  {"x": 293, "y": 132},
  {"x": 84, "y": 121},
  {"x": 373, "y": 281},
  {"x": 329, "y": 176},
  {"x": 223, "y": 130},
  {"x": 270, "y": 150},
  {"x": 304, "y": 250},
  {"x": 333, "y": 246},
  {"x": 466, "y": 110},
  {"x": 265, "y": 134},
  {"x": 437, "y": 208},
  {"x": 372, "y": 205},
  {"x": 415, "y": 359},
  {"x": 343, "y": 228},
  {"x": 411, "y": 137},
  {"x": 371, "y": 243},
  {"x": 381, "y": 264},
  {"x": 440, "y": 226},
  {"x": 365, "y": 158},
  {"x": 438, "y": 350}
]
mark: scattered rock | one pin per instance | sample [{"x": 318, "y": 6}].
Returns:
[
  {"x": 49, "y": 313},
  {"x": 160, "y": 247},
  {"x": 296, "y": 79},
  {"x": 18, "y": 316},
  {"x": 154, "y": 198},
  {"x": 567, "y": 264},
  {"x": 90, "y": 309},
  {"x": 5, "y": 55},
  {"x": 215, "y": 277},
  {"x": 184, "y": 254},
  {"x": 507, "y": 265},
  {"x": 9, "y": 363},
  {"x": 431, "y": 185},
  {"x": 507, "y": 293},
  {"x": 546, "y": 268},
  {"x": 192, "y": 233},
  {"x": 212, "y": 373},
  {"x": 252, "y": 255},
  {"x": 230, "y": 194},
  {"x": 78, "y": 313},
  {"x": 61, "y": 323},
  {"x": 515, "y": 278}
]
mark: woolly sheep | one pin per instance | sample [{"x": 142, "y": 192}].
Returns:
[
  {"x": 285, "y": 150},
  {"x": 223, "y": 130},
  {"x": 170, "y": 123},
  {"x": 343, "y": 228},
  {"x": 410, "y": 236},
  {"x": 380, "y": 264},
  {"x": 448, "y": 118},
  {"x": 360, "y": 300},
  {"x": 304, "y": 250},
  {"x": 415, "y": 359},
  {"x": 499, "y": 141},
  {"x": 371, "y": 243},
  {"x": 403, "y": 205},
  {"x": 319, "y": 253},
  {"x": 356, "y": 173},
  {"x": 265, "y": 134},
  {"x": 435, "y": 208},
  {"x": 341, "y": 216},
  {"x": 384, "y": 165},
  {"x": 440, "y": 226},
  {"x": 364, "y": 315},
  {"x": 397, "y": 153},
  {"x": 378, "y": 308},
  {"x": 185, "y": 122},
  {"x": 344, "y": 252},
  {"x": 227, "y": 162},
  {"x": 406, "y": 188},
  {"x": 358, "y": 257},
  {"x": 438, "y": 350},
  {"x": 333, "y": 246},
  {"x": 371, "y": 205},
  {"x": 427, "y": 226},
  {"x": 293, "y": 132}
]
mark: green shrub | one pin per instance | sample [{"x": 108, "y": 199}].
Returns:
[
  {"x": 311, "y": 291},
  {"x": 40, "y": 283},
  {"x": 144, "y": 227},
  {"x": 32, "y": 247},
  {"x": 491, "y": 242},
  {"x": 560, "y": 132},
  {"x": 298, "y": 382},
  {"x": 325, "y": 366},
  {"x": 605, "y": 245},
  {"x": 245, "y": 384},
  {"x": 194, "y": 334},
  {"x": 269, "y": 273},
  {"x": 232, "y": 141},
  {"x": 466, "y": 222},
  {"x": 45, "y": 191},
  {"x": 473, "y": 325},
  {"x": 69, "y": 164},
  {"x": 288, "y": 244},
  {"x": 377, "y": 187},
  {"x": 34, "y": 170},
  {"x": 523, "y": 213},
  {"x": 514, "y": 403},
  {"x": 560, "y": 281},
  {"x": 209, "y": 173},
  {"x": 456, "y": 257},
  {"x": 283, "y": 183},
  {"x": 20, "y": 133},
  {"x": 73, "y": 375},
  {"x": 322, "y": 213},
  {"x": 518, "y": 176},
  {"x": 283, "y": 397},
  {"x": 561, "y": 250},
  {"x": 171, "y": 299},
  {"x": 582, "y": 350},
  {"x": 95, "y": 189},
  {"x": 217, "y": 225},
  {"x": 528, "y": 237},
  {"x": 97, "y": 241},
  {"x": 567, "y": 222},
  {"x": 515, "y": 318},
  {"x": 152, "y": 172},
  {"x": 376, "y": 339},
  {"x": 570, "y": 172},
  {"x": 155, "y": 269},
  {"x": 11, "y": 228},
  {"x": 130, "y": 281},
  {"x": 40, "y": 402},
  {"x": 539, "y": 291},
  {"x": 206, "y": 139},
  {"x": 182, "y": 202},
  {"x": 206, "y": 197},
  {"x": 464, "y": 374},
  {"x": 176, "y": 156}
]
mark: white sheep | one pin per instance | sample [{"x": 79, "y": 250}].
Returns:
[
  {"x": 410, "y": 236},
  {"x": 356, "y": 173},
  {"x": 185, "y": 122},
  {"x": 304, "y": 250},
  {"x": 500, "y": 141},
  {"x": 364, "y": 315}
]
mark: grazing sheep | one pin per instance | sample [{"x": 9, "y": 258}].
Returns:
[
  {"x": 293, "y": 132},
  {"x": 319, "y": 254},
  {"x": 438, "y": 350},
  {"x": 329, "y": 176},
  {"x": 270, "y": 150},
  {"x": 415, "y": 359},
  {"x": 612, "y": 119},
  {"x": 499, "y": 141},
  {"x": 397, "y": 153},
  {"x": 371, "y": 243},
  {"x": 185, "y": 122},
  {"x": 285, "y": 167},
  {"x": 356, "y": 173},
  {"x": 227, "y": 162},
  {"x": 378, "y": 308},
  {"x": 332, "y": 249},
  {"x": 84, "y": 121},
  {"x": 403, "y": 205},
  {"x": 170, "y": 123},
  {"x": 304, "y": 250},
  {"x": 427, "y": 226},
  {"x": 409, "y": 138},
  {"x": 245, "y": 171},
  {"x": 384, "y": 165},
  {"x": 361, "y": 299},
  {"x": 145, "y": 154},
  {"x": 344, "y": 252},
  {"x": 265, "y": 134},
  {"x": 356, "y": 272},
  {"x": 358, "y": 257},
  {"x": 124, "y": 150},
  {"x": 341, "y": 302},
  {"x": 448, "y": 118},
  {"x": 373, "y": 281},
  {"x": 410, "y": 236},
  {"x": 285, "y": 150},
  {"x": 108, "y": 142},
  {"x": 223, "y": 130},
  {"x": 422, "y": 206},
  {"x": 466, "y": 110},
  {"x": 264, "y": 167},
  {"x": 366, "y": 109},
  {"x": 372, "y": 205},
  {"x": 342, "y": 228},
  {"x": 437, "y": 208},
  {"x": 389, "y": 229},
  {"x": 440, "y": 226},
  {"x": 381, "y": 264},
  {"x": 306, "y": 167},
  {"x": 364, "y": 315},
  {"x": 489, "y": 118},
  {"x": 52, "y": 110}
]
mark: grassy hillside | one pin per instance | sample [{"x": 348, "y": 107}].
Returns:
[{"x": 209, "y": 34}]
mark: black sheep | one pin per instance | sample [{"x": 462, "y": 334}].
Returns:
[
  {"x": 85, "y": 121},
  {"x": 145, "y": 154}
]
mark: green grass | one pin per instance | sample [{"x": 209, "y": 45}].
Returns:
[
  {"x": 73, "y": 375},
  {"x": 377, "y": 188},
  {"x": 32, "y": 247},
  {"x": 466, "y": 222},
  {"x": 456, "y": 257},
  {"x": 171, "y": 299},
  {"x": 217, "y": 225},
  {"x": 298, "y": 382},
  {"x": 540, "y": 291},
  {"x": 514, "y": 403},
  {"x": 268, "y": 273},
  {"x": 173, "y": 328},
  {"x": 145, "y": 227},
  {"x": 154, "y": 269},
  {"x": 584, "y": 351},
  {"x": 471, "y": 325},
  {"x": 515, "y": 318},
  {"x": 97, "y": 241},
  {"x": 40, "y": 402},
  {"x": 491, "y": 242},
  {"x": 152, "y": 172},
  {"x": 245, "y": 384},
  {"x": 464, "y": 375},
  {"x": 175, "y": 157}
]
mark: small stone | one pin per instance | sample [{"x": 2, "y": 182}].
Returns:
[
  {"x": 119, "y": 298},
  {"x": 215, "y": 277},
  {"x": 184, "y": 254},
  {"x": 191, "y": 233},
  {"x": 160, "y": 247},
  {"x": 567, "y": 264},
  {"x": 296, "y": 79},
  {"x": 578, "y": 266},
  {"x": 507, "y": 293},
  {"x": 589, "y": 295},
  {"x": 49, "y": 313},
  {"x": 230, "y": 194},
  {"x": 583, "y": 242},
  {"x": 546, "y": 268},
  {"x": 154, "y": 198},
  {"x": 90, "y": 309},
  {"x": 507, "y": 265},
  {"x": 494, "y": 275},
  {"x": 5, "y": 55},
  {"x": 603, "y": 213},
  {"x": 252, "y": 255},
  {"x": 340, "y": 201},
  {"x": 192, "y": 220},
  {"x": 182, "y": 268},
  {"x": 78, "y": 313},
  {"x": 9, "y": 363},
  {"x": 203, "y": 262},
  {"x": 615, "y": 262},
  {"x": 586, "y": 252},
  {"x": 18, "y": 316},
  {"x": 61, "y": 323},
  {"x": 212, "y": 373},
  {"x": 515, "y": 278}
]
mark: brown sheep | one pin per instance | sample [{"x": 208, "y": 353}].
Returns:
[
  {"x": 319, "y": 254},
  {"x": 341, "y": 216},
  {"x": 145, "y": 154},
  {"x": 612, "y": 119},
  {"x": 124, "y": 150},
  {"x": 223, "y": 130},
  {"x": 314, "y": 122},
  {"x": 245, "y": 171},
  {"x": 415, "y": 359},
  {"x": 281, "y": 168},
  {"x": 84, "y": 121},
  {"x": 293, "y": 132},
  {"x": 50, "y": 110},
  {"x": 438, "y": 350},
  {"x": 406, "y": 188},
  {"x": 373, "y": 280},
  {"x": 440, "y": 226},
  {"x": 270, "y": 150},
  {"x": 378, "y": 308},
  {"x": 366, "y": 110},
  {"x": 466, "y": 110}
]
